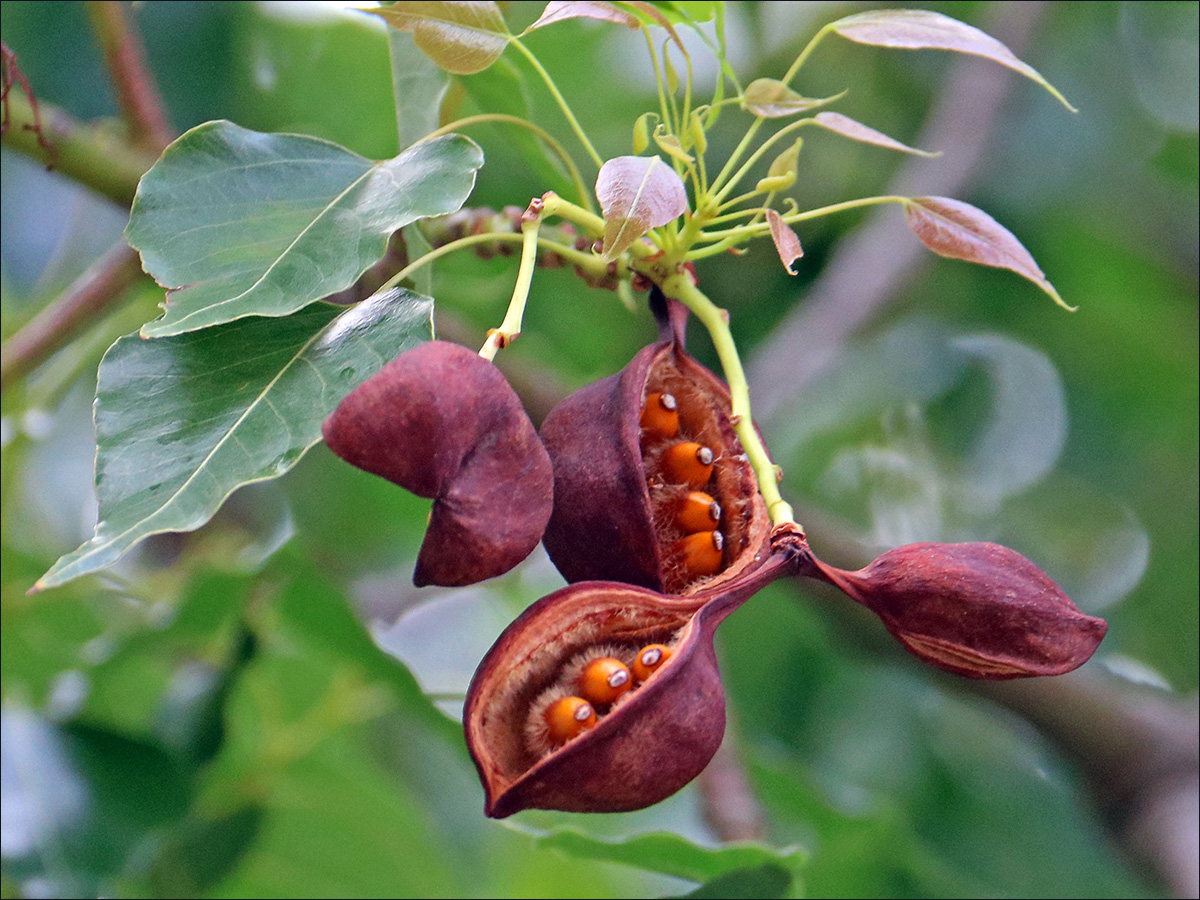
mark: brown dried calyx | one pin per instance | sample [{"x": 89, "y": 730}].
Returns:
[
  {"x": 444, "y": 423},
  {"x": 652, "y": 487},
  {"x": 635, "y": 748}
]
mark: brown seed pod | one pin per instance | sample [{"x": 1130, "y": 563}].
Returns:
[
  {"x": 444, "y": 423},
  {"x": 979, "y": 610},
  {"x": 616, "y": 500},
  {"x": 657, "y": 735}
]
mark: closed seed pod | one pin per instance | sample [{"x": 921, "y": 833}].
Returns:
[
  {"x": 616, "y": 507},
  {"x": 444, "y": 423},
  {"x": 977, "y": 609}
]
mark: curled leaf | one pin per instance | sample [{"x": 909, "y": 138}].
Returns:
[
  {"x": 787, "y": 243},
  {"x": 772, "y": 99},
  {"x": 918, "y": 29},
  {"x": 959, "y": 230},
  {"x": 636, "y": 193},
  {"x": 847, "y": 127},
  {"x": 461, "y": 37}
]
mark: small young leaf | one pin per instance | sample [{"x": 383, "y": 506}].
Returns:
[
  {"x": 181, "y": 422},
  {"x": 461, "y": 37},
  {"x": 561, "y": 10},
  {"x": 958, "y": 230},
  {"x": 238, "y": 223},
  {"x": 671, "y": 145},
  {"x": 787, "y": 243},
  {"x": 636, "y": 193},
  {"x": 847, "y": 127},
  {"x": 772, "y": 99},
  {"x": 917, "y": 29}
]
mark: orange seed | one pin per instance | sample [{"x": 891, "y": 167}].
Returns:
[
  {"x": 569, "y": 717},
  {"x": 698, "y": 512},
  {"x": 649, "y": 659},
  {"x": 660, "y": 415},
  {"x": 604, "y": 680},
  {"x": 688, "y": 463},
  {"x": 701, "y": 552}
]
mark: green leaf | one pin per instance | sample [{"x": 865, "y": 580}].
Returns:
[
  {"x": 182, "y": 422},
  {"x": 767, "y": 880},
  {"x": 675, "y": 855},
  {"x": 462, "y": 38},
  {"x": 83, "y": 804},
  {"x": 419, "y": 85},
  {"x": 918, "y": 29},
  {"x": 238, "y": 223}
]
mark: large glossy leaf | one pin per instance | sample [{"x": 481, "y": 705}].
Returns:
[
  {"x": 182, "y": 422},
  {"x": 461, "y": 37},
  {"x": 237, "y": 223},
  {"x": 918, "y": 29}
]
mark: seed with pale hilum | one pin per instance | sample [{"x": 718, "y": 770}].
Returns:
[
  {"x": 660, "y": 416},
  {"x": 688, "y": 463},
  {"x": 649, "y": 659},
  {"x": 569, "y": 717},
  {"x": 701, "y": 553},
  {"x": 698, "y": 511},
  {"x": 604, "y": 680}
]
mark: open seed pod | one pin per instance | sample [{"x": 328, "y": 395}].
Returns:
[
  {"x": 628, "y": 451},
  {"x": 444, "y": 423},
  {"x": 978, "y": 609},
  {"x": 625, "y": 753}
]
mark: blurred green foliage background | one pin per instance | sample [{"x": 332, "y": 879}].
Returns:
[{"x": 267, "y": 707}]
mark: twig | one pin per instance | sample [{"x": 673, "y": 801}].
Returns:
[
  {"x": 728, "y": 803},
  {"x": 90, "y": 154},
  {"x": 84, "y": 302},
  {"x": 137, "y": 93}
]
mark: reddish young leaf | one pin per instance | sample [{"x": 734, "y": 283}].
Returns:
[
  {"x": 917, "y": 29},
  {"x": 959, "y": 230},
  {"x": 847, "y": 127},
  {"x": 561, "y": 10},
  {"x": 636, "y": 193},
  {"x": 787, "y": 243},
  {"x": 462, "y": 38}
]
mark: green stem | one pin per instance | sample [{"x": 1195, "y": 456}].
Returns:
[
  {"x": 585, "y": 196},
  {"x": 805, "y": 53},
  {"x": 746, "y": 232},
  {"x": 561, "y": 101},
  {"x": 589, "y": 262},
  {"x": 510, "y": 328},
  {"x": 716, "y": 321}
]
